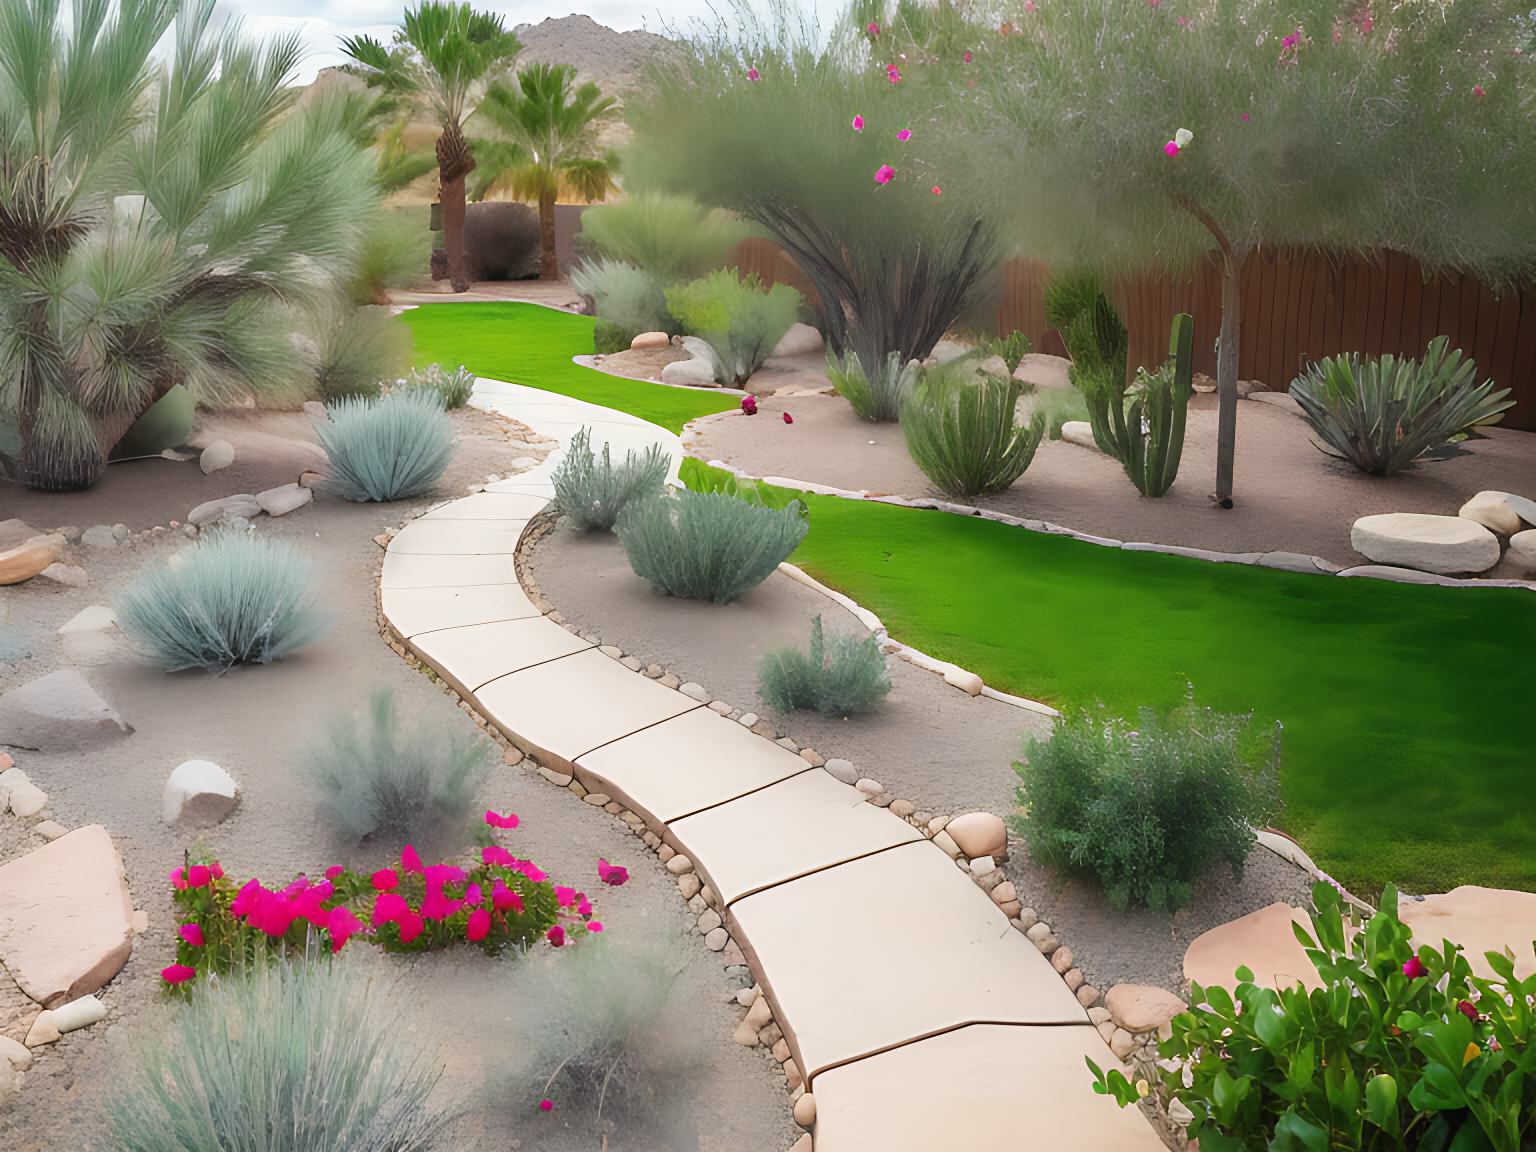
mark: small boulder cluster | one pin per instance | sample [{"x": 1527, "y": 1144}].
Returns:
[{"x": 1489, "y": 527}]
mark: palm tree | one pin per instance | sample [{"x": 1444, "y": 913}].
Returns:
[
  {"x": 549, "y": 145},
  {"x": 154, "y": 220},
  {"x": 443, "y": 57}
]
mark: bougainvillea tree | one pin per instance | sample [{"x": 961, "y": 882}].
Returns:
[{"x": 1144, "y": 134}]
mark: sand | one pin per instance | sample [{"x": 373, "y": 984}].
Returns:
[
  {"x": 1288, "y": 495},
  {"x": 463, "y": 1010},
  {"x": 929, "y": 743}
]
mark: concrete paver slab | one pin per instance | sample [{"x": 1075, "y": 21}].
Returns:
[
  {"x": 491, "y": 506},
  {"x": 457, "y": 537},
  {"x": 474, "y": 655},
  {"x": 404, "y": 571},
  {"x": 411, "y": 611}
]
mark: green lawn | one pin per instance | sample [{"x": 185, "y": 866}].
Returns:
[
  {"x": 527, "y": 344},
  {"x": 1408, "y": 750}
]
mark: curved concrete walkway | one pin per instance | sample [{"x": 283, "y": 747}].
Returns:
[{"x": 920, "y": 1019}]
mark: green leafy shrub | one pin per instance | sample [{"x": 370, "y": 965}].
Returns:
[
  {"x": 1382, "y": 414},
  {"x": 231, "y": 598},
  {"x": 374, "y": 776},
  {"x": 591, "y": 491},
  {"x": 962, "y": 429},
  {"x": 396, "y": 252},
  {"x": 626, "y": 301},
  {"x": 608, "y": 1027},
  {"x": 355, "y": 349},
  {"x": 1147, "y": 807},
  {"x": 292, "y": 1057},
  {"x": 739, "y": 319},
  {"x": 670, "y": 237},
  {"x": 1400, "y": 1049},
  {"x": 843, "y": 676},
  {"x": 452, "y": 388},
  {"x": 386, "y": 447},
  {"x": 708, "y": 545},
  {"x": 878, "y": 400}
]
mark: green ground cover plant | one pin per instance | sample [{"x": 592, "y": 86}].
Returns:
[{"x": 841, "y": 676}]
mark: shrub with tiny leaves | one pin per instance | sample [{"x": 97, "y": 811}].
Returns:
[
  {"x": 591, "y": 490},
  {"x": 841, "y": 676}
]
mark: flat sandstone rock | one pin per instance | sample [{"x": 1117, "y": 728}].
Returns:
[{"x": 1443, "y": 544}]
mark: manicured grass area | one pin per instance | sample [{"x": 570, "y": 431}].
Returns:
[{"x": 527, "y": 344}]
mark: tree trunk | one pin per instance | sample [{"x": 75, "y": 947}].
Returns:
[
  {"x": 454, "y": 163},
  {"x": 1226, "y": 375},
  {"x": 549, "y": 260}
]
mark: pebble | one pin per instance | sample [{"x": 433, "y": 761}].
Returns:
[
  {"x": 1087, "y": 995},
  {"x": 720, "y": 707},
  {"x": 716, "y": 939},
  {"x": 902, "y": 808},
  {"x": 513, "y": 755},
  {"x": 842, "y": 770},
  {"x": 679, "y": 865},
  {"x": 666, "y": 852},
  {"x": 15, "y": 1052},
  {"x": 610, "y": 651},
  {"x": 805, "y": 1111},
  {"x": 1028, "y": 918},
  {"x": 747, "y": 719},
  {"x": 1004, "y": 892},
  {"x": 49, "y": 830},
  {"x": 1061, "y": 959},
  {"x": 42, "y": 1031},
  {"x": 869, "y": 787},
  {"x": 746, "y": 996},
  {"x": 596, "y": 799},
  {"x": 670, "y": 681},
  {"x": 689, "y": 885},
  {"x": 80, "y": 1013},
  {"x": 759, "y": 1013},
  {"x": 812, "y": 757},
  {"x": 694, "y": 692},
  {"x": 1074, "y": 978},
  {"x": 1122, "y": 1043},
  {"x": 945, "y": 841},
  {"x": 100, "y": 536},
  {"x": 982, "y": 866},
  {"x": 559, "y": 779},
  {"x": 67, "y": 574},
  {"x": 630, "y": 662},
  {"x": 745, "y": 1035},
  {"x": 709, "y": 920},
  {"x": 1038, "y": 931}
]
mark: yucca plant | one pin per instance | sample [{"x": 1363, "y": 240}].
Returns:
[
  {"x": 962, "y": 429},
  {"x": 289, "y": 1057},
  {"x": 708, "y": 545},
  {"x": 876, "y": 399},
  {"x": 385, "y": 447},
  {"x": 1383, "y": 414},
  {"x": 232, "y": 598},
  {"x": 843, "y": 676},
  {"x": 740, "y": 320},
  {"x": 591, "y": 491},
  {"x": 1155, "y": 422}
]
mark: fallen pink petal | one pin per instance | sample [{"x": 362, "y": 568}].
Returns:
[
  {"x": 884, "y": 174},
  {"x": 858, "y": 123},
  {"x": 904, "y": 135}
]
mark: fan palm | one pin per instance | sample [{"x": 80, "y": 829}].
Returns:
[
  {"x": 550, "y": 129},
  {"x": 152, "y": 219},
  {"x": 443, "y": 57}
]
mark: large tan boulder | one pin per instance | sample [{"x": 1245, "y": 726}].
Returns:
[
  {"x": 1443, "y": 544},
  {"x": 1522, "y": 550},
  {"x": 1142, "y": 1007},
  {"x": 65, "y": 917},
  {"x": 650, "y": 341},
  {"x": 800, "y": 340},
  {"x": 1263, "y": 941},
  {"x": 1493, "y": 511},
  {"x": 979, "y": 834},
  {"x": 24, "y": 562},
  {"x": 1481, "y": 920}
]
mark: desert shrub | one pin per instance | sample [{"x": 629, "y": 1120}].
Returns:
[
  {"x": 355, "y": 349},
  {"x": 609, "y": 1031},
  {"x": 1012, "y": 348},
  {"x": 1384, "y": 413},
  {"x": 626, "y": 301},
  {"x": 387, "y": 447},
  {"x": 452, "y": 388},
  {"x": 376, "y": 776},
  {"x": 232, "y": 598},
  {"x": 878, "y": 400},
  {"x": 290, "y": 1057},
  {"x": 842, "y": 676},
  {"x": 708, "y": 545},
  {"x": 1401, "y": 1047},
  {"x": 396, "y": 252},
  {"x": 1147, "y": 806},
  {"x": 962, "y": 430},
  {"x": 668, "y": 236},
  {"x": 591, "y": 491},
  {"x": 501, "y": 240},
  {"x": 739, "y": 319}
]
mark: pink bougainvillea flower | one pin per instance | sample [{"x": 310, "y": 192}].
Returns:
[
  {"x": 904, "y": 135},
  {"x": 388, "y": 907},
  {"x": 411, "y": 926},
  {"x": 546, "y": 1104},
  {"x": 245, "y": 899},
  {"x": 594, "y": 925},
  {"x": 334, "y": 871},
  {"x": 503, "y": 898},
  {"x": 496, "y": 820},
  {"x": 556, "y": 935},
  {"x": 307, "y": 905},
  {"x": 611, "y": 874},
  {"x": 564, "y": 896},
  {"x": 192, "y": 934},
  {"x": 496, "y": 854},
  {"x": 342, "y": 926},
  {"x": 179, "y": 879},
  {"x": 1477, "y": 90},
  {"x": 1245, "y": 117},
  {"x": 1170, "y": 149},
  {"x": 295, "y": 887},
  {"x": 583, "y": 905},
  {"x": 474, "y": 894},
  {"x": 1288, "y": 41},
  {"x": 1413, "y": 968},
  {"x": 893, "y": 74},
  {"x": 858, "y": 123},
  {"x": 436, "y": 906},
  {"x": 199, "y": 876},
  {"x": 872, "y": 28},
  {"x": 788, "y": 419},
  {"x": 177, "y": 973},
  {"x": 753, "y": 74},
  {"x": 884, "y": 174},
  {"x": 218, "y": 873},
  {"x": 749, "y": 405},
  {"x": 536, "y": 875},
  {"x": 384, "y": 879},
  {"x": 479, "y": 925},
  {"x": 409, "y": 860},
  {"x": 968, "y": 57},
  {"x": 937, "y": 191}
]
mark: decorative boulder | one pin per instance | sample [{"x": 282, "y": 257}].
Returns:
[
  {"x": 979, "y": 834},
  {"x": 91, "y": 635},
  {"x": 199, "y": 794},
  {"x": 696, "y": 373},
  {"x": 284, "y": 499},
  {"x": 65, "y": 917},
  {"x": 100, "y": 536},
  {"x": 1493, "y": 511},
  {"x": 1522, "y": 549},
  {"x": 219, "y": 454},
  {"x": 1481, "y": 920},
  {"x": 24, "y": 562},
  {"x": 59, "y": 712},
  {"x": 1079, "y": 432},
  {"x": 1263, "y": 941},
  {"x": 650, "y": 342},
  {"x": 1142, "y": 1007},
  {"x": 1441, "y": 544},
  {"x": 800, "y": 340},
  {"x": 224, "y": 508}
]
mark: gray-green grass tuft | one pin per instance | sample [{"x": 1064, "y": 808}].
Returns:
[
  {"x": 591, "y": 490},
  {"x": 842, "y": 675},
  {"x": 386, "y": 447}
]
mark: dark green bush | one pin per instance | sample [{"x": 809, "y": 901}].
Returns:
[
  {"x": 842, "y": 676},
  {"x": 591, "y": 491},
  {"x": 708, "y": 545},
  {"x": 962, "y": 429},
  {"x": 1147, "y": 807}
]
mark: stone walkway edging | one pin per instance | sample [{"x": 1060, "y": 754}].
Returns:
[
  {"x": 712, "y": 389},
  {"x": 1279, "y": 560}
]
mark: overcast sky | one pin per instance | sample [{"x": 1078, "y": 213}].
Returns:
[{"x": 322, "y": 22}]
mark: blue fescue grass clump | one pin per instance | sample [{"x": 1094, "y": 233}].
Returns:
[
  {"x": 842, "y": 675},
  {"x": 591, "y": 490},
  {"x": 231, "y": 599},
  {"x": 386, "y": 447},
  {"x": 290, "y": 1057},
  {"x": 708, "y": 545}
]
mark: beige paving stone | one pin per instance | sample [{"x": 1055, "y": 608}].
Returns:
[
  {"x": 570, "y": 706},
  {"x": 982, "y": 1087},
  {"x": 491, "y": 506},
  {"x": 1263, "y": 941},
  {"x": 793, "y": 828},
  {"x": 403, "y": 571},
  {"x": 922, "y": 948},
  {"x": 475, "y": 655},
  {"x": 1481, "y": 920},
  {"x": 458, "y": 537},
  {"x": 412, "y": 611},
  {"x": 685, "y": 765}
]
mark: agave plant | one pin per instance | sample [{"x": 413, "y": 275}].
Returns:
[
  {"x": 1383, "y": 414},
  {"x": 962, "y": 430}
]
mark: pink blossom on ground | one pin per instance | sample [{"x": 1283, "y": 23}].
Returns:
[
  {"x": 611, "y": 874},
  {"x": 749, "y": 405},
  {"x": 788, "y": 419},
  {"x": 556, "y": 935},
  {"x": 893, "y": 74},
  {"x": 884, "y": 174},
  {"x": 192, "y": 934},
  {"x": 545, "y": 1105},
  {"x": 858, "y": 123},
  {"x": 968, "y": 57},
  {"x": 937, "y": 191},
  {"x": 872, "y": 28},
  {"x": 177, "y": 973},
  {"x": 1171, "y": 149},
  {"x": 904, "y": 135},
  {"x": 1477, "y": 90},
  {"x": 1245, "y": 117}
]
